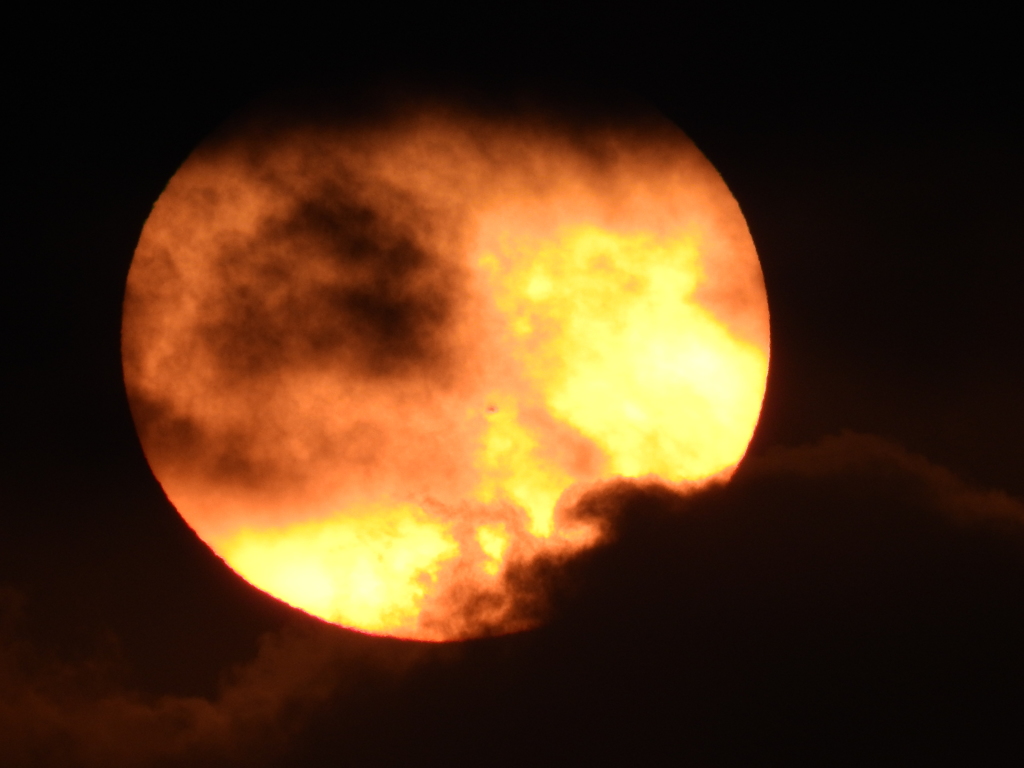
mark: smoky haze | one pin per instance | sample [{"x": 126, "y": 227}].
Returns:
[
  {"x": 328, "y": 285},
  {"x": 325, "y": 278}
]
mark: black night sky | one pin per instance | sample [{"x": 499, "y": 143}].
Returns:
[{"x": 854, "y": 597}]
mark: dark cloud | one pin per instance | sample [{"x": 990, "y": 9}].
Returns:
[
  {"x": 58, "y": 713},
  {"x": 334, "y": 279},
  {"x": 846, "y": 603},
  {"x": 376, "y": 302}
]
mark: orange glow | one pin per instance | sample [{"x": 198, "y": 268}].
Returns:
[
  {"x": 375, "y": 365},
  {"x": 363, "y": 570}
]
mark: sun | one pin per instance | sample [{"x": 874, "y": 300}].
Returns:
[{"x": 376, "y": 363}]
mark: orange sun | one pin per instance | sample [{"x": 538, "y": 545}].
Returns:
[{"x": 374, "y": 364}]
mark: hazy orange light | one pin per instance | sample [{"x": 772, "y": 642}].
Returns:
[{"x": 374, "y": 364}]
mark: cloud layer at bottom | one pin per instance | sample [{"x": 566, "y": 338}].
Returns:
[{"x": 844, "y": 602}]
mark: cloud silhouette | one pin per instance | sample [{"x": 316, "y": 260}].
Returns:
[{"x": 841, "y": 601}]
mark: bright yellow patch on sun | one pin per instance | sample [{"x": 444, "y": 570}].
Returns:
[
  {"x": 607, "y": 329},
  {"x": 493, "y": 540},
  {"x": 370, "y": 570},
  {"x": 512, "y": 469}
]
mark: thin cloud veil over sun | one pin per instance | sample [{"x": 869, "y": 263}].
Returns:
[{"x": 375, "y": 359}]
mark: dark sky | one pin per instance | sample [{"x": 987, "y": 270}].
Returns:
[{"x": 850, "y": 599}]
